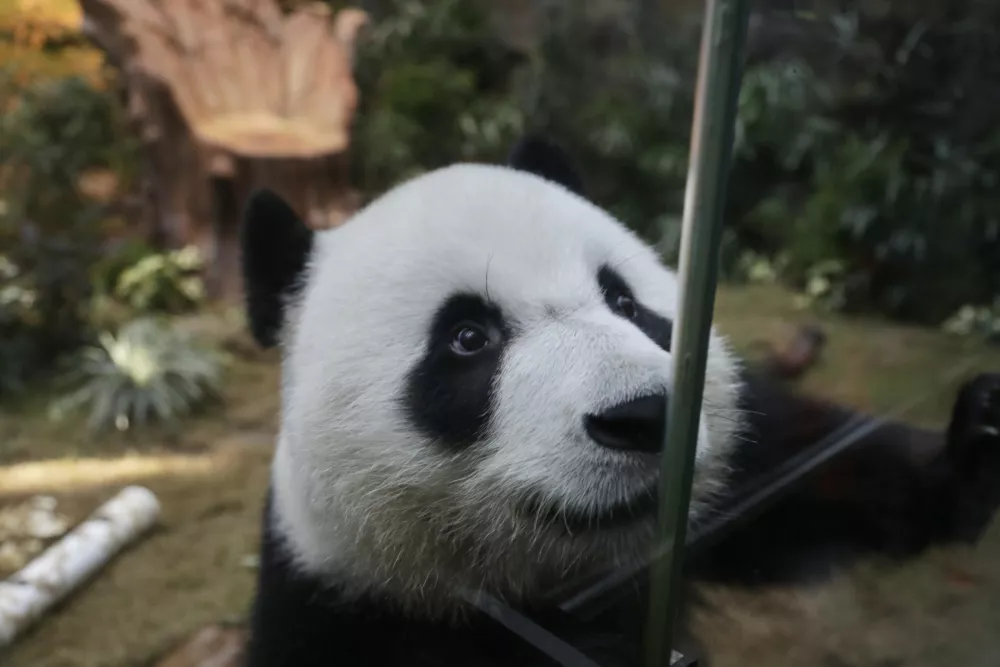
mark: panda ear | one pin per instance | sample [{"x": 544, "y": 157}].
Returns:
[
  {"x": 541, "y": 157},
  {"x": 275, "y": 245}
]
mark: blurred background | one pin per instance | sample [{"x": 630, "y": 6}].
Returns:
[{"x": 863, "y": 203}]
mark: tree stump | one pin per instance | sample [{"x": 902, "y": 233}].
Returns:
[{"x": 226, "y": 96}]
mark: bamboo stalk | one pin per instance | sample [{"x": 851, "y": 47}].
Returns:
[{"x": 719, "y": 74}]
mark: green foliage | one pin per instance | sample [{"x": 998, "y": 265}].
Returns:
[
  {"x": 55, "y": 132},
  {"x": 43, "y": 298},
  {"x": 106, "y": 271},
  {"x": 49, "y": 232},
  {"x": 17, "y": 349},
  {"x": 147, "y": 370},
  {"x": 860, "y": 177},
  {"x": 429, "y": 75},
  {"x": 168, "y": 282},
  {"x": 864, "y": 177},
  {"x": 625, "y": 116}
]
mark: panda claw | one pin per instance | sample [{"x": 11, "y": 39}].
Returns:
[{"x": 974, "y": 454}]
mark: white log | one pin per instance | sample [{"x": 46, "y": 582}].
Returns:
[{"x": 28, "y": 594}]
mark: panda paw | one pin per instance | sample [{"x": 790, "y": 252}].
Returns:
[{"x": 974, "y": 455}]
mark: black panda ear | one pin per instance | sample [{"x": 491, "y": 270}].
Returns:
[
  {"x": 542, "y": 157},
  {"x": 275, "y": 245}
]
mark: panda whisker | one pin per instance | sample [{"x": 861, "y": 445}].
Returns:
[
  {"x": 565, "y": 521},
  {"x": 708, "y": 404},
  {"x": 588, "y": 282},
  {"x": 613, "y": 250},
  {"x": 725, "y": 418},
  {"x": 625, "y": 260},
  {"x": 489, "y": 260}
]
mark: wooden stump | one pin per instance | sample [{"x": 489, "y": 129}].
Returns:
[{"x": 227, "y": 96}]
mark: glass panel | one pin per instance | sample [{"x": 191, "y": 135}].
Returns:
[{"x": 848, "y": 469}]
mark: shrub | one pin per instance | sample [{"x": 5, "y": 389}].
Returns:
[
  {"x": 56, "y": 131},
  {"x": 147, "y": 370},
  {"x": 861, "y": 175},
  {"x": 106, "y": 271},
  {"x": 622, "y": 113},
  {"x": 17, "y": 345},
  {"x": 50, "y": 135},
  {"x": 433, "y": 80},
  {"x": 878, "y": 174},
  {"x": 43, "y": 301},
  {"x": 168, "y": 282}
]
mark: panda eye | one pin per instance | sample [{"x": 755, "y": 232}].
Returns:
[
  {"x": 625, "y": 306},
  {"x": 469, "y": 339}
]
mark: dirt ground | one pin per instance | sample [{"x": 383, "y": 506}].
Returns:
[{"x": 196, "y": 567}]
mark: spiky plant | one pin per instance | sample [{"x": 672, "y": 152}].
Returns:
[{"x": 148, "y": 369}]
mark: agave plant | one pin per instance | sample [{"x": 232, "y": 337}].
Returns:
[{"x": 147, "y": 370}]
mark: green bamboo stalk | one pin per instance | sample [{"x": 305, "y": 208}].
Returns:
[{"x": 719, "y": 74}]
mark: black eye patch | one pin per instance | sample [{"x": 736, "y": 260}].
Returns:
[
  {"x": 449, "y": 393},
  {"x": 657, "y": 328}
]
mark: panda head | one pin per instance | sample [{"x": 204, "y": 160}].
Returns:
[{"x": 475, "y": 376}]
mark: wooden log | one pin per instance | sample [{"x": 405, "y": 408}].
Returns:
[
  {"x": 211, "y": 646},
  {"x": 67, "y": 564}
]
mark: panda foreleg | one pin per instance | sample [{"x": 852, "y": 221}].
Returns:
[
  {"x": 911, "y": 487},
  {"x": 896, "y": 491}
]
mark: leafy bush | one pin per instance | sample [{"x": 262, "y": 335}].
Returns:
[
  {"x": 146, "y": 370},
  {"x": 55, "y": 132},
  {"x": 874, "y": 179},
  {"x": 168, "y": 282},
  {"x": 17, "y": 346},
  {"x": 43, "y": 303},
  {"x": 861, "y": 174},
  {"x": 106, "y": 271},
  {"x": 51, "y": 134},
  {"x": 434, "y": 79},
  {"x": 622, "y": 113}
]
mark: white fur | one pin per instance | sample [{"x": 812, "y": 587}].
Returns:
[{"x": 363, "y": 499}]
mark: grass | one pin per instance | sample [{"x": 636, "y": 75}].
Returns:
[
  {"x": 211, "y": 477},
  {"x": 873, "y": 365}
]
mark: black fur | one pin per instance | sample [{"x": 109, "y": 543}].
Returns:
[
  {"x": 449, "y": 397},
  {"x": 297, "y": 621},
  {"x": 543, "y": 158},
  {"x": 878, "y": 496},
  {"x": 659, "y": 329},
  {"x": 276, "y": 246}
]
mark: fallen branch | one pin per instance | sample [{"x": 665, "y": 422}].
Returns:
[{"x": 67, "y": 564}]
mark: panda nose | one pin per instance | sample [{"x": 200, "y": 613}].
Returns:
[{"x": 636, "y": 426}]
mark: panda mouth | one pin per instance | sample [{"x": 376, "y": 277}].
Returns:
[{"x": 637, "y": 508}]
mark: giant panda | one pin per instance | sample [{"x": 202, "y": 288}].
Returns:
[{"x": 476, "y": 370}]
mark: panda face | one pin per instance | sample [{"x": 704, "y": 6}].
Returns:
[{"x": 476, "y": 371}]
